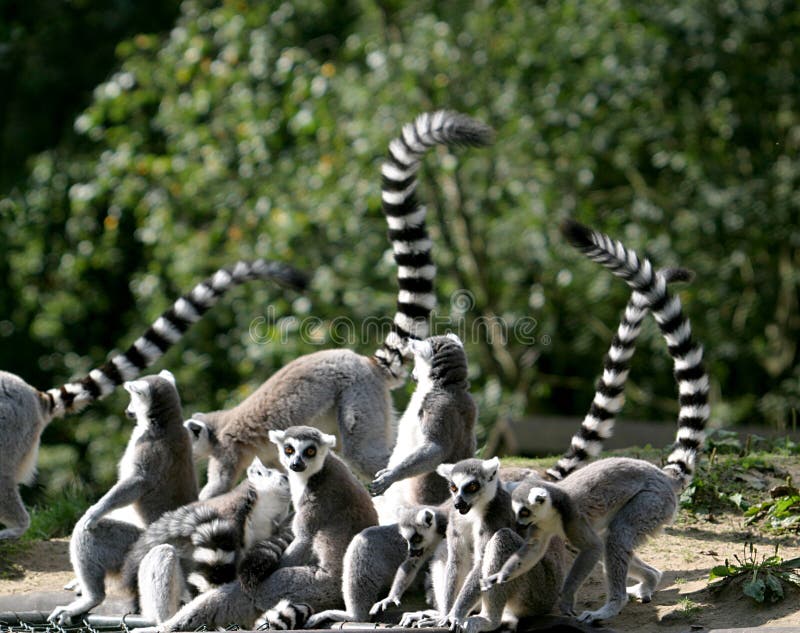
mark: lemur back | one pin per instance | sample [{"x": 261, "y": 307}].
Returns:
[
  {"x": 26, "y": 411},
  {"x": 354, "y": 387},
  {"x": 156, "y": 474}
]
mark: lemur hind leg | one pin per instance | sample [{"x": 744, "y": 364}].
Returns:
[
  {"x": 366, "y": 431},
  {"x": 12, "y": 512},
  {"x": 297, "y": 592},
  {"x": 641, "y": 517},
  {"x": 648, "y": 578},
  {"x": 161, "y": 584}
]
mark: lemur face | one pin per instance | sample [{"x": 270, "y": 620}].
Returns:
[
  {"x": 201, "y": 434},
  {"x": 473, "y": 482},
  {"x": 268, "y": 480},
  {"x": 419, "y": 531},
  {"x": 139, "y": 407},
  {"x": 302, "y": 449},
  {"x": 531, "y": 506}
]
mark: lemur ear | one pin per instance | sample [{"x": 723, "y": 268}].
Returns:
[
  {"x": 425, "y": 516},
  {"x": 537, "y": 496},
  {"x": 139, "y": 387},
  {"x": 490, "y": 467},
  {"x": 444, "y": 470},
  {"x": 257, "y": 463},
  {"x": 454, "y": 337},
  {"x": 167, "y": 375},
  {"x": 196, "y": 427},
  {"x": 276, "y": 437},
  {"x": 329, "y": 440}
]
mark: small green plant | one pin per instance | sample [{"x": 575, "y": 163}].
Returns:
[
  {"x": 761, "y": 580},
  {"x": 688, "y": 607},
  {"x": 780, "y": 513}
]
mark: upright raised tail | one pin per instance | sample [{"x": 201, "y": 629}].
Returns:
[
  {"x": 165, "y": 332},
  {"x": 609, "y": 397},
  {"x": 687, "y": 356},
  {"x": 406, "y": 218}
]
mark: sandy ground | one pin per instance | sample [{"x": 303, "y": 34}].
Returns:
[{"x": 685, "y": 552}]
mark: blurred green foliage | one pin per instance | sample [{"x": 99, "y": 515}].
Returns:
[{"x": 257, "y": 129}]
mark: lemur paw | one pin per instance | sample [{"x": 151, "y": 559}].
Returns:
[
  {"x": 495, "y": 579},
  {"x": 567, "y": 607},
  {"x": 382, "y": 605},
  {"x": 383, "y": 479},
  {"x": 60, "y": 616},
  {"x": 286, "y": 615},
  {"x": 419, "y": 619}
]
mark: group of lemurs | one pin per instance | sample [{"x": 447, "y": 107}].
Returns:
[{"x": 311, "y": 543}]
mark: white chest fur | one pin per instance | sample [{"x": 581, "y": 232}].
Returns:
[
  {"x": 128, "y": 461},
  {"x": 409, "y": 430},
  {"x": 260, "y": 523}
]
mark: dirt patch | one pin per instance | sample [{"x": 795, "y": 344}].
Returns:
[{"x": 685, "y": 552}]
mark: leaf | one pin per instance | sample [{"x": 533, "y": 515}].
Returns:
[
  {"x": 774, "y": 587},
  {"x": 738, "y": 501},
  {"x": 720, "y": 571},
  {"x": 755, "y": 589}
]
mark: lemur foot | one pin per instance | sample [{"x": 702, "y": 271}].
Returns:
[
  {"x": 285, "y": 616},
  {"x": 382, "y": 605},
  {"x": 419, "y": 619},
  {"x": 606, "y": 612}
]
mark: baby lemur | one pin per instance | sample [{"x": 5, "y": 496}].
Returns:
[
  {"x": 26, "y": 411},
  {"x": 354, "y": 389},
  {"x": 158, "y": 451},
  {"x": 207, "y": 539},
  {"x": 331, "y": 507},
  {"x": 611, "y": 506}
]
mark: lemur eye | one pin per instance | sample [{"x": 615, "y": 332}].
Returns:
[
  {"x": 289, "y": 450},
  {"x": 473, "y": 486},
  {"x": 453, "y": 488},
  {"x": 416, "y": 539},
  {"x": 524, "y": 512},
  {"x": 310, "y": 451}
]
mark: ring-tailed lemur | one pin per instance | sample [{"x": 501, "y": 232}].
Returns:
[
  {"x": 598, "y": 425},
  {"x": 355, "y": 388},
  {"x": 208, "y": 538},
  {"x": 331, "y": 507},
  {"x": 158, "y": 451},
  {"x": 437, "y": 426},
  {"x": 26, "y": 411},
  {"x": 611, "y": 506}
]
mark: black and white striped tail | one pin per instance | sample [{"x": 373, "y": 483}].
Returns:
[
  {"x": 598, "y": 425},
  {"x": 165, "y": 332},
  {"x": 406, "y": 218},
  {"x": 285, "y": 616},
  {"x": 693, "y": 384},
  {"x": 216, "y": 544}
]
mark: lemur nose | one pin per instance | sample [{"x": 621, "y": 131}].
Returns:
[{"x": 297, "y": 466}]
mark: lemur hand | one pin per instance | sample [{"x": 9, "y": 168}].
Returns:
[
  {"x": 383, "y": 479},
  {"x": 91, "y": 518},
  {"x": 384, "y": 604},
  {"x": 495, "y": 579}
]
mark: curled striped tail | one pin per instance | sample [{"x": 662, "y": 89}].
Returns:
[
  {"x": 687, "y": 356},
  {"x": 165, "y": 332},
  {"x": 406, "y": 218},
  {"x": 609, "y": 397},
  {"x": 216, "y": 545}
]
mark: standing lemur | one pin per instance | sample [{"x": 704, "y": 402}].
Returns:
[
  {"x": 26, "y": 411},
  {"x": 352, "y": 387},
  {"x": 611, "y": 506},
  {"x": 158, "y": 451},
  {"x": 373, "y": 558}
]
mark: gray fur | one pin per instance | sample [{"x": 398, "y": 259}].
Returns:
[
  {"x": 158, "y": 451},
  {"x": 161, "y": 583},
  {"x": 331, "y": 507},
  {"x": 438, "y": 426},
  {"x": 25, "y": 411}
]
